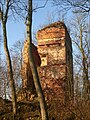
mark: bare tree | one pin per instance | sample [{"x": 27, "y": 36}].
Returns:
[
  {"x": 10, "y": 8},
  {"x": 16, "y": 56},
  {"x": 4, "y": 16},
  {"x": 32, "y": 64},
  {"x": 75, "y": 5},
  {"x": 4, "y": 82},
  {"x": 80, "y": 39}
]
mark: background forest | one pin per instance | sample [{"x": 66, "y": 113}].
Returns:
[{"x": 76, "y": 16}]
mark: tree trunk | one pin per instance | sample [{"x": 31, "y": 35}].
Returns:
[
  {"x": 85, "y": 69},
  {"x": 85, "y": 78},
  {"x": 39, "y": 91},
  {"x": 9, "y": 67}
]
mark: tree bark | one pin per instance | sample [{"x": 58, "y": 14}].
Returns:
[
  {"x": 39, "y": 91},
  {"x": 9, "y": 67},
  {"x": 85, "y": 70}
]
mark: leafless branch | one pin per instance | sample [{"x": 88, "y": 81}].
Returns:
[
  {"x": 81, "y": 6},
  {"x": 7, "y": 10},
  {"x": 41, "y": 6}
]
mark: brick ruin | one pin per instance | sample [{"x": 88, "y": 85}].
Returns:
[
  {"x": 56, "y": 69},
  {"x": 28, "y": 89}
]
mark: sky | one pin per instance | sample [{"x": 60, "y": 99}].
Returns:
[{"x": 16, "y": 30}]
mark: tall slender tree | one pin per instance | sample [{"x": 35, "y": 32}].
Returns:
[
  {"x": 7, "y": 8},
  {"x": 4, "y": 17},
  {"x": 32, "y": 64},
  {"x": 80, "y": 39}
]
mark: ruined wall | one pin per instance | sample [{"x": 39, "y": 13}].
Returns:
[
  {"x": 28, "y": 88},
  {"x": 54, "y": 44},
  {"x": 56, "y": 69}
]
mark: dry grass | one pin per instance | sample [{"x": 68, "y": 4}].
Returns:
[{"x": 77, "y": 110}]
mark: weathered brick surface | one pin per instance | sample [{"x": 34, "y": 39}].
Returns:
[
  {"x": 28, "y": 87},
  {"x": 55, "y": 30},
  {"x": 54, "y": 44},
  {"x": 35, "y": 54}
]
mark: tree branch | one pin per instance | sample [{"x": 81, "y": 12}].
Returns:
[
  {"x": 41, "y": 6},
  {"x": 7, "y": 9}
]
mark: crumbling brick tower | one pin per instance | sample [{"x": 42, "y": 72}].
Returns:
[
  {"x": 28, "y": 89},
  {"x": 56, "y": 70}
]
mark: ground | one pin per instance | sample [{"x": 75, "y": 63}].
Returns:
[{"x": 77, "y": 110}]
